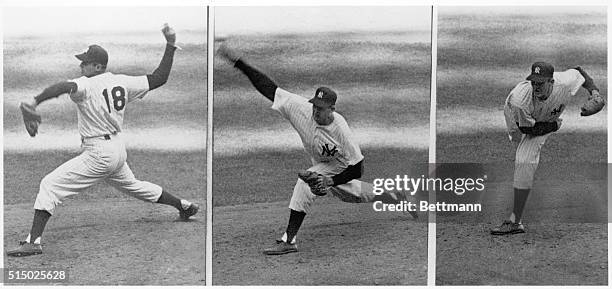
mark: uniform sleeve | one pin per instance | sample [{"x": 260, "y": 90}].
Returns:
[
  {"x": 522, "y": 117},
  {"x": 516, "y": 109},
  {"x": 351, "y": 151},
  {"x": 136, "y": 86},
  {"x": 571, "y": 78},
  {"x": 291, "y": 106},
  {"x": 80, "y": 94}
]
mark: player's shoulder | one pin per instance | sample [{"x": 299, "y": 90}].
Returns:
[
  {"x": 118, "y": 79},
  {"x": 97, "y": 78},
  {"x": 340, "y": 123},
  {"x": 570, "y": 71},
  {"x": 340, "y": 118},
  {"x": 79, "y": 79},
  {"x": 284, "y": 94},
  {"x": 290, "y": 102},
  {"x": 520, "y": 95},
  {"x": 567, "y": 77},
  {"x": 108, "y": 75}
]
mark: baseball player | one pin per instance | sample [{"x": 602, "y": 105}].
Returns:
[
  {"x": 532, "y": 112},
  {"x": 328, "y": 141},
  {"x": 101, "y": 98}
]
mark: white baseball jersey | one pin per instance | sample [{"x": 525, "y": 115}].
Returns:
[
  {"x": 102, "y": 99},
  {"x": 331, "y": 148},
  {"x": 101, "y": 102},
  {"x": 522, "y": 108},
  {"x": 526, "y": 110}
]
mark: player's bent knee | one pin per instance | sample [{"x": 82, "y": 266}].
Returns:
[
  {"x": 299, "y": 207},
  {"x": 301, "y": 203},
  {"x": 523, "y": 183},
  {"x": 46, "y": 201}
]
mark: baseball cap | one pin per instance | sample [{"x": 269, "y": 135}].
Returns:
[
  {"x": 324, "y": 97},
  {"x": 95, "y": 53},
  {"x": 541, "y": 71}
]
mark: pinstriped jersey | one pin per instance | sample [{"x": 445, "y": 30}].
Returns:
[
  {"x": 101, "y": 101},
  {"x": 522, "y": 108},
  {"x": 331, "y": 148}
]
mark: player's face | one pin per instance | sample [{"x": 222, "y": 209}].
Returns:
[
  {"x": 543, "y": 89},
  {"x": 90, "y": 69},
  {"x": 323, "y": 115}
]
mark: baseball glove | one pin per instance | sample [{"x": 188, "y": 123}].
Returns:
[
  {"x": 31, "y": 118},
  {"x": 593, "y": 105},
  {"x": 313, "y": 181}
]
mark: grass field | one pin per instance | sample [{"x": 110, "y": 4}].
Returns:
[
  {"x": 382, "y": 81},
  {"x": 480, "y": 59},
  {"x": 101, "y": 236}
]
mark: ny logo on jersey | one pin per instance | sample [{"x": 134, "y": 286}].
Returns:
[
  {"x": 536, "y": 70},
  {"x": 330, "y": 152},
  {"x": 558, "y": 110}
]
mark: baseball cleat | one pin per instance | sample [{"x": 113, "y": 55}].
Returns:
[
  {"x": 281, "y": 248},
  {"x": 507, "y": 228},
  {"x": 192, "y": 210},
  {"x": 25, "y": 249}
]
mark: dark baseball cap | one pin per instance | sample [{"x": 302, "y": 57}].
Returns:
[
  {"x": 95, "y": 54},
  {"x": 541, "y": 71},
  {"x": 324, "y": 97}
]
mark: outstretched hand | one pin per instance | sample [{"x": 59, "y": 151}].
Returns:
[
  {"x": 228, "y": 53},
  {"x": 169, "y": 34}
]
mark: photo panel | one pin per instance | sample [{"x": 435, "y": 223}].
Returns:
[
  {"x": 341, "y": 92},
  {"x": 514, "y": 86},
  {"x": 112, "y": 86}
]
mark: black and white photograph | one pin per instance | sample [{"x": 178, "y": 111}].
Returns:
[
  {"x": 311, "y": 106},
  {"x": 104, "y": 144},
  {"x": 339, "y": 143},
  {"x": 522, "y": 92}
]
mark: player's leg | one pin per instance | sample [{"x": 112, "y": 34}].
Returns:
[
  {"x": 124, "y": 180},
  {"x": 68, "y": 179},
  {"x": 299, "y": 207},
  {"x": 357, "y": 191},
  {"x": 525, "y": 166}
]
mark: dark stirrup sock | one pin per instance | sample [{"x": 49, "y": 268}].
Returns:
[
  {"x": 295, "y": 221},
  {"x": 38, "y": 224},
  {"x": 168, "y": 199}
]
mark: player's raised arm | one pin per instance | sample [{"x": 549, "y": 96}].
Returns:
[
  {"x": 160, "y": 75},
  {"x": 262, "y": 82},
  {"x": 596, "y": 102},
  {"x": 588, "y": 84}
]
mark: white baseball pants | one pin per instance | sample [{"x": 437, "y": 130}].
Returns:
[
  {"x": 100, "y": 159},
  {"x": 527, "y": 160},
  {"x": 354, "y": 191}
]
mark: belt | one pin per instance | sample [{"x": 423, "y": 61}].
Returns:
[{"x": 105, "y": 136}]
